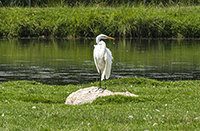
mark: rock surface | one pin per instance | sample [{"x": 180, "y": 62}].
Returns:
[{"x": 88, "y": 95}]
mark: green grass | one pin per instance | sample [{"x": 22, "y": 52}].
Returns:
[
  {"x": 123, "y": 21},
  {"x": 172, "y": 105},
  {"x": 59, "y": 3}
]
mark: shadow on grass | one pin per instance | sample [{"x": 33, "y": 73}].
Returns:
[
  {"x": 41, "y": 100},
  {"x": 119, "y": 99},
  {"x": 115, "y": 99}
]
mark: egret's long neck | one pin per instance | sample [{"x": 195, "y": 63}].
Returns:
[{"x": 98, "y": 39}]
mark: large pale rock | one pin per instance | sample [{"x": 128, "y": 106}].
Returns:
[{"x": 88, "y": 95}]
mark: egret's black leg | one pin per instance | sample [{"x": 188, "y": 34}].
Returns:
[
  {"x": 100, "y": 80},
  {"x": 105, "y": 83}
]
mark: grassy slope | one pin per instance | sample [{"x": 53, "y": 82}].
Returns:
[
  {"x": 89, "y": 22},
  {"x": 172, "y": 105}
]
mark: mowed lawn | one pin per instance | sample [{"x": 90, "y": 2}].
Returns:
[{"x": 28, "y": 105}]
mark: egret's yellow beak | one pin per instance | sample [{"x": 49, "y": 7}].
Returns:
[{"x": 110, "y": 38}]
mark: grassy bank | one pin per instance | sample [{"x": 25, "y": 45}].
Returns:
[
  {"x": 150, "y": 22},
  {"x": 29, "y": 105},
  {"x": 72, "y": 3}
]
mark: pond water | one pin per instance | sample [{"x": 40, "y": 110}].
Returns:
[{"x": 70, "y": 61}]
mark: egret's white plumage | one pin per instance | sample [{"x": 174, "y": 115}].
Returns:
[{"x": 102, "y": 57}]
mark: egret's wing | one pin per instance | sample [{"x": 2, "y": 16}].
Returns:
[
  {"x": 108, "y": 60},
  {"x": 95, "y": 57}
]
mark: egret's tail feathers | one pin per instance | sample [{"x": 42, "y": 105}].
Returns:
[{"x": 106, "y": 72}]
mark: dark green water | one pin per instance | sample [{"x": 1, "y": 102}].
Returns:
[{"x": 71, "y": 61}]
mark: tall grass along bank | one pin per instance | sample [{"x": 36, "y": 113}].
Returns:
[
  {"x": 56, "y": 3},
  {"x": 139, "y": 22},
  {"x": 28, "y": 105}
]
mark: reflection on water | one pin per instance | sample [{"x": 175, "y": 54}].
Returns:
[{"x": 71, "y": 61}]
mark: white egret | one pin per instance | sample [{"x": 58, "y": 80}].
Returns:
[{"x": 102, "y": 58}]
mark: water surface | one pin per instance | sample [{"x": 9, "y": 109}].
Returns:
[{"x": 68, "y": 61}]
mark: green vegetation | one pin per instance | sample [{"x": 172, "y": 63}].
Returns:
[
  {"x": 123, "y": 21},
  {"x": 28, "y": 105},
  {"x": 50, "y": 3}
]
